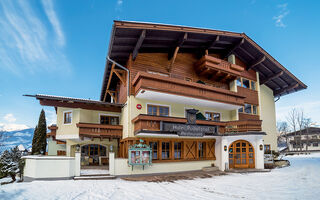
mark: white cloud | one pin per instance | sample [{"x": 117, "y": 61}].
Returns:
[
  {"x": 25, "y": 42},
  {"x": 119, "y": 6},
  {"x": 9, "y": 118},
  {"x": 283, "y": 12},
  {"x": 51, "y": 117},
  {"x": 51, "y": 14}
]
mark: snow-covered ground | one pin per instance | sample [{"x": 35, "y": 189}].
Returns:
[{"x": 299, "y": 181}]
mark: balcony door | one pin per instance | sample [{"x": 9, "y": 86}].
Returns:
[
  {"x": 241, "y": 155},
  {"x": 91, "y": 154}
]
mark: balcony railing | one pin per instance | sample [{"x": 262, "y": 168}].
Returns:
[
  {"x": 99, "y": 130},
  {"x": 217, "y": 68},
  {"x": 153, "y": 123},
  {"x": 243, "y": 126},
  {"x": 158, "y": 83}
]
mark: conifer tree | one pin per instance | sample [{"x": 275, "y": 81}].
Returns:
[
  {"x": 34, "y": 142},
  {"x": 10, "y": 162},
  {"x": 42, "y": 133}
]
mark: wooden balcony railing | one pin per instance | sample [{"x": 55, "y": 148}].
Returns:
[
  {"x": 99, "y": 130},
  {"x": 243, "y": 126},
  {"x": 217, "y": 68},
  {"x": 158, "y": 83},
  {"x": 53, "y": 131},
  {"x": 152, "y": 123}
]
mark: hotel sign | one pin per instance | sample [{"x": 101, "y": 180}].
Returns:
[{"x": 190, "y": 130}]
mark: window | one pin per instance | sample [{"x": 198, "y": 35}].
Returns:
[
  {"x": 67, "y": 117},
  {"x": 315, "y": 144},
  {"x": 188, "y": 79},
  {"x": 211, "y": 116},
  {"x": 154, "y": 146},
  {"x": 239, "y": 82},
  {"x": 109, "y": 120},
  {"x": 253, "y": 85},
  {"x": 165, "y": 150},
  {"x": 158, "y": 110},
  {"x": 201, "y": 149},
  {"x": 245, "y": 83},
  {"x": 177, "y": 150},
  {"x": 267, "y": 148},
  {"x": 247, "y": 108}
]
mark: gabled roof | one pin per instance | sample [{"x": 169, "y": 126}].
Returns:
[
  {"x": 70, "y": 102},
  {"x": 310, "y": 131},
  {"x": 133, "y": 37}
]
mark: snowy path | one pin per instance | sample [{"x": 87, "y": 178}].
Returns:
[{"x": 300, "y": 181}]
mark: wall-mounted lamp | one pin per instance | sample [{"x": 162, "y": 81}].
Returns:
[
  {"x": 78, "y": 148},
  {"x": 261, "y": 147},
  {"x": 225, "y": 147}
]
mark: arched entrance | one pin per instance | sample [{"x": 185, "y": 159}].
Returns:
[
  {"x": 94, "y": 154},
  {"x": 241, "y": 155}
]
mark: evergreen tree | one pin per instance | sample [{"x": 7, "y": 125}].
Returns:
[
  {"x": 11, "y": 163},
  {"x": 42, "y": 133},
  {"x": 34, "y": 143}
]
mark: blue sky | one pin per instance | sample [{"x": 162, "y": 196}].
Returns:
[{"x": 59, "y": 47}]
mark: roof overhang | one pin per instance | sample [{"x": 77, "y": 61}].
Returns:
[
  {"x": 133, "y": 37},
  {"x": 69, "y": 102}
]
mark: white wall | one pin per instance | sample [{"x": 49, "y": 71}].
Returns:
[{"x": 48, "y": 167}]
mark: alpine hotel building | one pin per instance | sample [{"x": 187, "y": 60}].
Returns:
[{"x": 198, "y": 97}]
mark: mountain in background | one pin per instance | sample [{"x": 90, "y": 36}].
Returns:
[{"x": 18, "y": 137}]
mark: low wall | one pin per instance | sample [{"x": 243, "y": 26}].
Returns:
[
  {"x": 48, "y": 167},
  {"x": 119, "y": 166}
]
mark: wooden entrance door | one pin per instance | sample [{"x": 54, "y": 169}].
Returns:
[{"x": 241, "y": 155}]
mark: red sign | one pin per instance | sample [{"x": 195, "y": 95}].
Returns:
[{"x": 139, "y": 106}]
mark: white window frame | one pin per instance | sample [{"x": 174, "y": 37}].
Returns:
[
  {"x": 156, "y": 104},
  {"x": 66, "y": 111}
]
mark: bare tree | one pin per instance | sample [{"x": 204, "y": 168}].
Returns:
[
  {"x": 283, "y": 130},
  {"x": 292, "y": 120},
  {"x": 306, "y": 124},
  {"x": 300, "y": 120}
]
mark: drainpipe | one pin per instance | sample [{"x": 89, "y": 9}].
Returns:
[{"x": 122, "y": 67}]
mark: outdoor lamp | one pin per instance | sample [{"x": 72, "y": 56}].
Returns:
[
  {"x": 77, "y": 147},
  {"x": 261, "y": 147},
  {"x": 225, "y": 147}
]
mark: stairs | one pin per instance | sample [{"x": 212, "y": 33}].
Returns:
[{"x": 94, "y": 177}]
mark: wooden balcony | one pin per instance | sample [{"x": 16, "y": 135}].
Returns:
[
  {"x": 53, "y": 131},
  {"x": 153, "y": 123},
  {"x": 99, "y": 130},
  {"x": 217, "y": 69},
  {"x": 243, "y": 126},
  {"x": 151, "y": 82}
]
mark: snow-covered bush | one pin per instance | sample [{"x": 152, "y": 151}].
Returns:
[{"x": 11, "y": 163}]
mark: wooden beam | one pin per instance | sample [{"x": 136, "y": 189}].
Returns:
[
  {"x": 179, "y": 43},
  {"x": 235, "y": 47},
  {"x": 257, "y": 62},
  {"x": 109, "y": 81},
  {"x": 271, "y": 77},
  {"x": 173, "y": 59},
  {"x": 138, "y": 44},
  {"x": 112, "y": 94},
  {"x": 121, "y": 75},
  {"x": 212, "y": 43},
  {"x": 290, "y": 87}
]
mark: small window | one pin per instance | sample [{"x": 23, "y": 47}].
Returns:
[
  {"x": 247, "y": 108},
  {"x": 254, "y": 109},
  {"x": 240, "y": 110},
  {"x": 154, "y": 146},
  {"x": 109, "y": 120},
  {"x": 67, "y": 118},
  {"x": 267, "y": 148},
  {"x": 158, "y": 110},
  {"x": 188, "y": 79},
  {"x": 315, "y": 144},
  {"x": 201, "y": 149},
  {"x": 165, "y": 150},
  {"x": 239, "y": 82},
  {"x": 212, "y": 116},
  {"x": 245, "y": 83},
  {"x": 177, "y": 150},
  {"x": 253, "y": 85}
]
